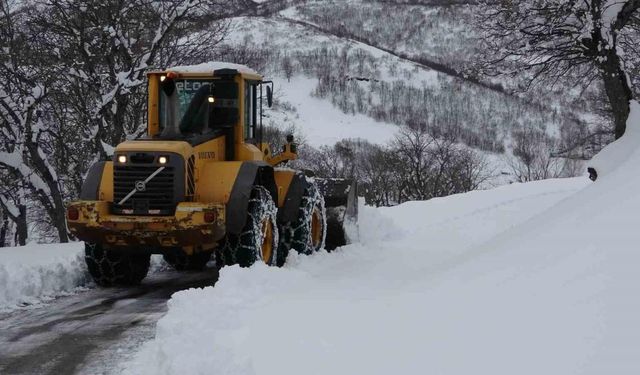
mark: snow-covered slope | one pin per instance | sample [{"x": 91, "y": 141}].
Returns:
[
  {"x": 539, "y": 278},
  {"x": 320, "y": 122}
]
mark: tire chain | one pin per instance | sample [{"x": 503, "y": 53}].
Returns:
[
  {"x": 250, "y": 240},
  {"x": 110, "y": 268},
  {"x": 297, "y": 235}
]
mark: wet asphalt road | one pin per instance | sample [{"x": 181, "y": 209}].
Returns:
[{"x": 92, "y": 332}]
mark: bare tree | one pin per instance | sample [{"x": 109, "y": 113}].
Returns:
[
  {"x": 4, "y": 228},
  {"x": 534, "y": 157},
  {"x": 379, "y": 165},
  {"x": 412, "y": 146},
  {"x": 72, "y": 81},
  {"x": 26, "y": 77},
  {"x": 14, "y": 208},
  {"x": 553, "y": 40},
  {"x": 107, "y": 47}
]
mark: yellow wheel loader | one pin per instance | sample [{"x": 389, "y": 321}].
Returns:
[{"x": 202, "y": 183}]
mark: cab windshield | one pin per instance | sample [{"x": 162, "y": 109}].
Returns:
[{"x": 199, "y": 106}]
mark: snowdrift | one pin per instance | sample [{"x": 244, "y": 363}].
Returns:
[
  {"x": 353, "y": 311},
  {"x": 35, "y": 273},
  {"x": 539, "y": 278}
]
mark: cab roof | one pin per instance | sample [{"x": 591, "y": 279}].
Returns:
[{"x": 208, "y": 69}]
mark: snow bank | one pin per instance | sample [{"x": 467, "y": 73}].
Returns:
[
  {"x": 33, "y": 273},
  {"x": 36, "y": 273},
  {"x": 361, "y": 309},
  {"x": 620, "y": 151}
]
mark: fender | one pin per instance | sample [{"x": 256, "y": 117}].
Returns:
[
  {"x": 251, "y": 173},
  {"x": 230, "y": 183},
  {"x": 91, "y": 186},
  {"x": 291, "y": 186}
]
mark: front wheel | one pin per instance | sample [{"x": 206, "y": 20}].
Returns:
[
  {"x": 258, "y": 240},
  {"x": 109, "y": 267},
  {"x": 308, "y": 232}
]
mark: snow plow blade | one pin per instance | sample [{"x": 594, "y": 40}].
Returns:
[{"x": 341, "y": 204}]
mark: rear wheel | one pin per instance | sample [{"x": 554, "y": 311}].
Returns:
[
  {"x": 110, "y": 267},
  {"x": 258, "y": 240},
  {"x": 180, "y": 261},
  {"x": 307, "y": 234}
]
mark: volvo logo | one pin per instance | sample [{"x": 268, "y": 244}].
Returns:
[
  {"x": 141, "y": 186},
  {"x": 206, "y": 155}
]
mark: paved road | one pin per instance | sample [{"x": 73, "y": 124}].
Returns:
[{"x": 92, "y": 332}]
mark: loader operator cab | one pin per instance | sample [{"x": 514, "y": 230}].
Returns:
[{"x": 198, "y": 109}]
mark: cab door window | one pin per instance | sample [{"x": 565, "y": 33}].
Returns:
[{"x": 250, "y": 110}]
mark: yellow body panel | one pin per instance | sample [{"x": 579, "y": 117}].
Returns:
[
  {"x": 216, "y": 180},
  {"x": 247, "y": 152},
  {"x": 153, "y": 118},
  {"x": 285, "y": 155},
  {"x": 106, "y": 183},
  {"x": 178, "y": 147},
  {"x": 187, "y": 228},
  {"x": 210, "y": 151},
  {"x": 283, "y": 179}
]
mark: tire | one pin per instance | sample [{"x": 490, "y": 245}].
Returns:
[
  {"x": 308, "y": 233},
  {"x": 183, "y": 262},
  {"x": 259, "y": 237},
  {"x": 113, "y": 268}
]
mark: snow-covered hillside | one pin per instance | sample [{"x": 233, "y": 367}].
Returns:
[
  {"x": 334, "y": 82},
  {"x": 539, "y": 278},
  {"x": 320, "y": 122},
  {"x": 364, "y": 82}
]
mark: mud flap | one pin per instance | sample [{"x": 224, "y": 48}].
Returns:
[{"x": 341, "y": 203}]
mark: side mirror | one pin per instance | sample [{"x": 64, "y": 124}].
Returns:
[
  {"x": 269, "y": 96},
  {"x": 292, "y": 146}
]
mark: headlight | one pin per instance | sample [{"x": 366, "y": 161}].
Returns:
[
  {"x": 122, "y": 159},
  {"x": 163, "y": 160}
]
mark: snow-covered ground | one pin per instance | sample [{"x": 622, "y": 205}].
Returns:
[
  {"x": 538, "y": 278},
  {"x": 32, "y": 274},
  {"x": 363, "y": 309},
  {"x": 36, "y": 274}
]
